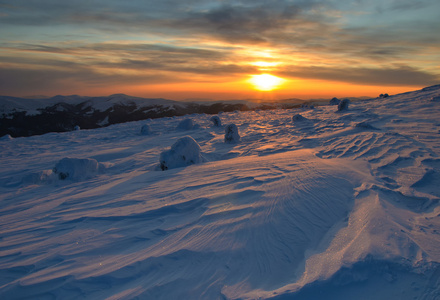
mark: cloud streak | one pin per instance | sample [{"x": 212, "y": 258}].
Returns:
[
  {"x": 397, "y": 76},
  {"x": 362, "y": 42}
]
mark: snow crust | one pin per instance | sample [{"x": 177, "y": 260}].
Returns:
[{"x": 344, "y": 206}]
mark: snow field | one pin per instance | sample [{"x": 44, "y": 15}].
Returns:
[{"x": 323, "y": 209}]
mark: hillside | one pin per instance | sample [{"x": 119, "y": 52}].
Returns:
[
  {"x": 27, "y": 117},
  {"x": 325, "y": 205}
]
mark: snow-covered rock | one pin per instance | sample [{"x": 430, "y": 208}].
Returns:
[
  {"x": 343, "y": 105},
  {"x": 308, "y": 106},
  {"x": 77, "y": 128},
  {"x": 216, "y": 121},
  {"x": 186, "y": 151},
  {"x": 298, "y": 118},
  {"x": 334, "y": 101},
  {"x": 231, "y": 134},
  {"x": 145, "y": 129},
  {"x": 187, "y": 124},
  {"x": 77, "y": 168},
  {"x": 365, "y": 125},
  {"x": 6, "y": 137}
]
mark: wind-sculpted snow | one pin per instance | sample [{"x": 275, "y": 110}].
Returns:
[{"x": 342, "y": 206}]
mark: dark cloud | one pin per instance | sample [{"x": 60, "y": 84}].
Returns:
[
  {"x": 155, "y": 51},
  {"x": 397, "y": 76},
  {"x": 140, "y": 57},
  {"x": 89, "y": 65},
  {"x": 246, "y": 21},
  {"x": 260, "y": 23},
  {"x": 299, "y": 24},
  {"x": 181, "y": 66}
]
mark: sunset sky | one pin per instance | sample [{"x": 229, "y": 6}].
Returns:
[{"x": 217, "y": 49}]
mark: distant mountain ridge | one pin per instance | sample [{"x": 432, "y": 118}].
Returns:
[{"x": 31, "y": 116}]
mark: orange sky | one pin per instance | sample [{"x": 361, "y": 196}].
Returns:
[{"x": 207, "y": 49}]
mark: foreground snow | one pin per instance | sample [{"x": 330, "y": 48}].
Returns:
[{"x": 341, "y": 206}]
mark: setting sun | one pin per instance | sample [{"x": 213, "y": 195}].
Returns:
[{"x": 266, "y": 82}]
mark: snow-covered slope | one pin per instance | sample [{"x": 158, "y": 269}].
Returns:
[
  {"x": 338, "y": 205},
  {"x": 9, "y": 105}
]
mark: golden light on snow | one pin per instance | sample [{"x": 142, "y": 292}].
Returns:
[{"x": 266, "y": 82}]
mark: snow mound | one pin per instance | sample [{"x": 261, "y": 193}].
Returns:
[
  {"x": 298, "y": 118},
  {"x": 6, "y": 137},
  {"x": 77, "y": 168},
  {"x": 343, "y": 105},
  {"x": 216, "y": 121},
  {"x": 334, "y": 101},
  {"x": 186, "y": 151},
  {"x": 145, "y": 129},
  {"x": 308, "y": 106},
  {"x": 187, "y": 124},
  {"x": 365, "y": 125},
  {"x": 231, "y": 134}
]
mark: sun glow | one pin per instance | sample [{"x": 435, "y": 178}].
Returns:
[
  {"x": 266, "y": 82},
  {"x": 265, "y": 64}
]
